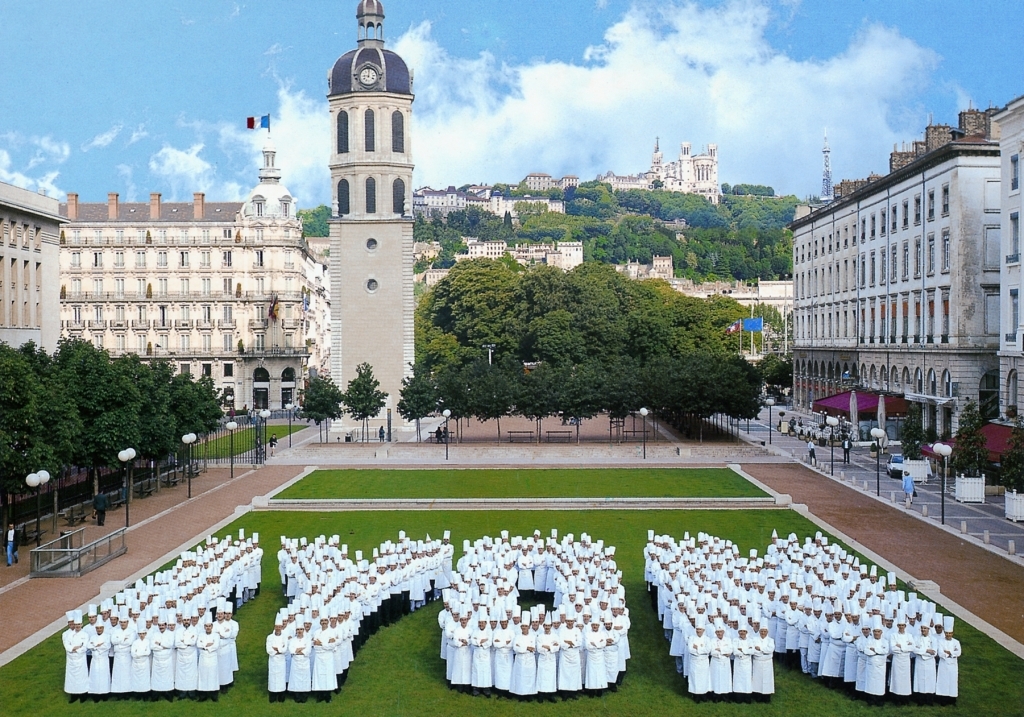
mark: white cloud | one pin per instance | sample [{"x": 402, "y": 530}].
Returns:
[
  {"x": 139, "y": 133},
  {"x": 185, "y": 172},
  {"x": 104, "y": 139},
  {"x": 678, "y": 71},
  {"x": 29, "y": 162},
  {"x": 127, "y": 173}
]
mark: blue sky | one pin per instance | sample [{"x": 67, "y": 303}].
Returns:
[{"x": 135, "y": 97}]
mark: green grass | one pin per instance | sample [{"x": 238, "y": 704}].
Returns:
[
  {"x": 244, "y": 440},
  {"x": 526, "y": 483},
  {"x": 399, "y": 672}
]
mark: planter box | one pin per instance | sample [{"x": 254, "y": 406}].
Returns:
[
  {"x": 1015, "y": 506},
  {"x": 970, "y": 489}
]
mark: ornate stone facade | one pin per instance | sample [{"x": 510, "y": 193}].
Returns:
[{"x": 690, "y": 174}]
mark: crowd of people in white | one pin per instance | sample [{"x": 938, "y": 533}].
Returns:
[
  {"x": 170, "y": 634},
  {"x": 491, "y": 645},
  {"x": 812, "y": 605},
  {"x": 335, "y": 604}
]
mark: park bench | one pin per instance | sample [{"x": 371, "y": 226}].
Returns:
[
  {"x": 636, "y": 435},
  {"x": 559, "y": 436},
  {"x": 521, "y": 434},
  {"x": 76, "y": 514},
  {"x": 145, "y": 488},
  {"x": 172, "y": 479},
  {"x": 116, "y": 500},
  {"x": 29, "y": 534}
]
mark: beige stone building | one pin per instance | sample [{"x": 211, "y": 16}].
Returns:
[
  {"x": 689, "y": 174},
  {"x": 370, "y": 100},
  {"x": 220, "y": 289},
  {"x": 29, "y": 270}
]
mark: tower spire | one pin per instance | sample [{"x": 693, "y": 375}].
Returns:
[{"x": 826, "y": 175}]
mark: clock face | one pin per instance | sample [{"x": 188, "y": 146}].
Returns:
[{"x": 368, "y": 76}]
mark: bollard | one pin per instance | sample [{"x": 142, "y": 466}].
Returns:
[
  {"x": 1011, "y": 548},
  {"x": 963, "y": 527},
  {"x": 924, "y": 511},
  {"x": 986, "y": 538},
  {"x": 892, "y": 496},
  {"x": 842, "y": 476},
  {"x": 866, "y": 485}
]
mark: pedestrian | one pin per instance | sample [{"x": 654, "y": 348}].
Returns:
[
  {"x": 12, "y": 545},
  {"x": 380, "y": 434},
  {"x": 847, "y": 445},
  {"x": 810, "y": 451},
  {"x": 100, "y": 504},
  {"x": 908, "y": 486},
  {"x": 273, "y": 444}
]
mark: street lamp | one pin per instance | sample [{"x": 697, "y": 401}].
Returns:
[
  {"x": 490, "y": 350},
  {"x": 231, "y": 426},
  {"x": 770, "y": 402},
  {"x": 832, "y": 422},
  {"x": 126, "y": 457},
  {"x": 188, "y": 439},
  {"x": 37, "y": 481},
  {"x": 447, "y": 414},
  {"x": 644, "y": 412},
  {"x": 945, "y": 451},
  {"x": 289, "y": 408},
  {"x": 878, "y": 434},
  {"x": 261, "y": 448}
]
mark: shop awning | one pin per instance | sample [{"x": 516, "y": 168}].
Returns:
[{"x": 867, "y": 405}]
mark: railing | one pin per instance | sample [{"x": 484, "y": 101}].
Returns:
[
  {"x": 66, "y": 557},
  {"x": 1013, "y": 258},
  {"x": 1011, "y": 338}
]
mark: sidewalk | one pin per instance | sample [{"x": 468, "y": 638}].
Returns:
[{"x": 159, "y": 525}]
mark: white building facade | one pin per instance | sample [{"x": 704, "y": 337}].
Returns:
[
  {"x": 897, "y": 285},
  {"x": 29, "y": 268},
  {"x": 219, "y": 289},
  {"x": 1011, "y": 357},
  {"x": 689, "y": 174}
]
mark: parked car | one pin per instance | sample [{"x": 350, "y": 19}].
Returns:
[{"x": 894, "y": 466}]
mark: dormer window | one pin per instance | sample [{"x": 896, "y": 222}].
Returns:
[
  {"x": 258, "y": 207},
  {"x": 285, "y": 209}
]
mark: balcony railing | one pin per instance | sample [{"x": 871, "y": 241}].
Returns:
[
  {"x": 1011, "y": 338},
  {"x": 1013, "y": 258}
]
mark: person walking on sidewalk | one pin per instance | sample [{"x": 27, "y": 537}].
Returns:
[
  {"x": 908, "y": 487},
  {"x": 380, "y": 434},
  {"x": 273, "y": 444},
  {"x": 100, "y": 504},
  {"x": 847, "y": 445},
  {"x": 12, "y": 545},
  {"x": 810, "y": 452}
]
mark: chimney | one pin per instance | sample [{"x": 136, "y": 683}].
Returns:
[
  {"x": 72, "y": 206},
  {"x": 112, "y": 206},
  {"x": 198, "y": 205},
  {"x": 154, "y": 206}
]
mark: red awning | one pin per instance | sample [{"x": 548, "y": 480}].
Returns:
[
  {"x": 997, "y": 440},
  {"x": 867, "y": 405}
]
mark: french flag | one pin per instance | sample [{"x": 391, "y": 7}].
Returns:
[
  {"x": 258, "y": 122},
  {"x": 738, "y": 326}
]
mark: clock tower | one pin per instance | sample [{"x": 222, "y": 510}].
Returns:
[{"x": 370, "y": 101}]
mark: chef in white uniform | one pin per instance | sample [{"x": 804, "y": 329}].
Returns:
[
  {"x": 876, "y": 650},
  {"x": 698, "y": 661},
  {"x": 99, "y": 666},
  {"x": 76, "y": 671},
  {"x": 162, "y": 649},
  {"x": 547, "y": 662},
  {"x": 142, "y": 662},
  {"x": 570, "y": 676},
  {"x": 762, "y": 680},
  {"x": 524, "y": 669},
  {"x": 901, "y": 646},
  {"x": 481, "y": 639},
  {"x": 208, "y": 672},
  {"x": 504, "y": 656},
  {"x": 948, "y": 674},
  {"x": 277, "y": 662},
  {"x": 926, "y": 650}
]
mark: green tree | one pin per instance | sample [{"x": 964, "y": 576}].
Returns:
[
  {"x": 363, "y": 398},
  {"x": 23, "y": 445},
  {"x": 970, "y": 453},
  {"x": 195, "y": 404},
  {"x": 777, "y": 373},
  {"x": 579, "y": 393},
  {"x": 1013, "y": 460},
  {"x": 322, "y": 401},
  {"x": 536, "y": 395},
  {"x": 314, "y": 221},
  {"x": 491, "y": 390},
  {"x": 418, "y": 398},
  {"x": 159, "y": 432},
  {"x": 912, "y": 435}
]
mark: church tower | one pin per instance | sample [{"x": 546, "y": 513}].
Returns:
[{"x": 370, "y": 101}]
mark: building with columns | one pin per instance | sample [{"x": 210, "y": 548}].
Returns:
[
  {"x": 897, "y": 283},
  {"x": 690, "y": 174},
  {"x": 370, "y": 98},
  {"x": 220, "y": 289},
  {"x": 29, "y": 272},
  {"x": 1011, "y": 356}
]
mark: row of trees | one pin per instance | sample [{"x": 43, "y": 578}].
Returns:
[
  {"x": 362, "y": 400},
  {"x": 79, "y": 407},
  {"x": 678, "y": 389}
]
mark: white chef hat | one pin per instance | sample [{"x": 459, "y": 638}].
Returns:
[{"x": 947, "y": 623}]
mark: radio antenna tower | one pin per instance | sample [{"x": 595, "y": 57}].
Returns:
[{"x": 826, "y": 175}]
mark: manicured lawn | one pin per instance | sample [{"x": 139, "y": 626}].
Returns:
[
  {"x": 244, "y": 439},
  {"x": 526, "y": 483},
  {"x": 399, "y": 672}
]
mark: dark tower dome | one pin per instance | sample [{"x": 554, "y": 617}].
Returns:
[{"x": 370, "y": 68}]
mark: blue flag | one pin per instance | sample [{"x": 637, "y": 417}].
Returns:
[{"x": 753, "y": 324}]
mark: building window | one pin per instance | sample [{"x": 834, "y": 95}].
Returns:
[
  {"x": 1015, "y": 233},
  {"x": 372, "y": 285},
  {"x": 183, "y": 259},
  {"x": 863, "y": 232},
  {"x": 140, "y": 260},
  {"x": 226, "y": 285},
  {"x": 945, "y": 199},
  {"x": 397, "y": 132},
  {"x": 398, "y": 191},
  {"x": 184, "y": 287},
  {"x": 76, "y": 260},
  {"x": 931, "y": 205},
  {"x": 119, "y": 287},
  {"x": 206, "y": 286},
  {"x": 118, "y": 259},
  {"x": 259, "y": 235},
  {"x": 371, "y": 142},
  {"x": 892, "y": 214},
  {"x": 992, "y": 247},
  {"x": 343, "y": 132},
  {"x": 917, "y": 209},
  {"x": 161, "y": 259},
  {"x": 228, "y": 341},
  {"x": 229, "y": 369},
  {"x": 992, "y": 314},
  {"x": 97, "y": 259},
  {"x": 882, "y": 224},
  {"x": 261, "y": 341},
  {"x": 343, "y": 200},
  {"x": 259, "y": 258},
  {"x": 371, "y": 195},
  {"x": 1014, "y": 172},
  {"x": 872, "y": 274},
  {"x": 872, "y": 227},
  {"x": 259, "y": 208},
  {"x": 917, "y": 256},
  {"x": 945, "y": 249},
  {"x": 226, "y": 259},
  {"x": 1014, "y": 311},
  {"x": 893, "y": 263},
  {"x": 227, "y": 314},
  {"x": 882, "y": 269},
  {"x": 931, "y": 254},
  {"x": 204, "y": 259}
]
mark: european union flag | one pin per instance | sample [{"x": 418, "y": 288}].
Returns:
[{"x": 753, "y": 324}]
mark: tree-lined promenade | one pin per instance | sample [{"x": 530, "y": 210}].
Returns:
[{"x": 79, "y": 407}]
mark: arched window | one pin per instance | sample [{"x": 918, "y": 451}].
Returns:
[
  {"x": 371, "y": 142},
  {"x": 261, "y": 375},
  {"x": 918, "y": 381},
  {"x": 1011, "y": 389},
  {"x": 288, "y": 374},
  {"x": 343, "y": 202},
  {"x": 397, "y": 132},
  {"x": 947, "y": 384},
  {"x": 932, "y": 387},
  {"x": 398, "y": 192},
  {"x": 343, "y": 132},
  {"x": 371, "y": 196}
]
